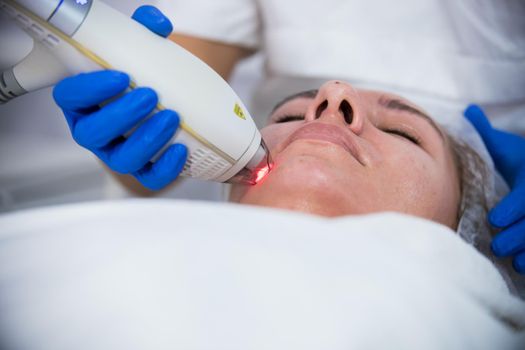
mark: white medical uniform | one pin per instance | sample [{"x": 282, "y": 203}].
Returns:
[{"x": 438, "y": 53}]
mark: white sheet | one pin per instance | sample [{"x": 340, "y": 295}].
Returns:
[{"x": 155, "y": 274}]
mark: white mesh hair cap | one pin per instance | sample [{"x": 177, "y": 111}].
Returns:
[{"x": 482, "y": 187}]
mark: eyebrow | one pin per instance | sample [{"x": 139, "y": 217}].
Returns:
[
  {"x": 303, "y": 94},
  {"x": 398, "y": 105}
]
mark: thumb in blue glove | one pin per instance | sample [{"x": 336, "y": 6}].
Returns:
[
  {"x": 153, "y": 19},
  {"x": 508, "y": 152}
]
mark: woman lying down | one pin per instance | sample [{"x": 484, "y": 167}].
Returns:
[{"x": 394, "y": 256}]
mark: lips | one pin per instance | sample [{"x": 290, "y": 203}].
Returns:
[{"x": 328, "y": 133}]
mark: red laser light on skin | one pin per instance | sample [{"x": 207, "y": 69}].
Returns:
[{"x": 261, "y": 174}]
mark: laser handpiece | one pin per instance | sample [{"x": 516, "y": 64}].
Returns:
[{"x": 74, "y": 36}]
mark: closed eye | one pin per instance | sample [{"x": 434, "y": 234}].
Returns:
[
  {"x": 415, "y": 140},
  {"x": 404, "y": 134},
  {"x": 289, "y": 118}
]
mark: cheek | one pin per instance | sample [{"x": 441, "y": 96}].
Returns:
[
  {"x": 275, "y": 134},
  {"x": 412, "y": 180}
]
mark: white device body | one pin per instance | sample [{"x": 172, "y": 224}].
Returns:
[{"x": 221, "y": 137}]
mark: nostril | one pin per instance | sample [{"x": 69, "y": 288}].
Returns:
[
  {"x": 321, "y": 108},
  {"x": 348, "y": 112}
]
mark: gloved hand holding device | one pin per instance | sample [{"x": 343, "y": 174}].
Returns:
[
  {"x": 101, "y": 129},
  {"x": 508, "y": 152}
]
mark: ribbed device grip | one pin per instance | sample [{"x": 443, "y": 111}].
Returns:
[
  {"x": 9, "y": 87},
  {"x": 205, "y": 165}
]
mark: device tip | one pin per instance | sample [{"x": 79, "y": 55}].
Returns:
[{"x": 261, "y": 174}]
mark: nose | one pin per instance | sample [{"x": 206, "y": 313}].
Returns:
[{"x": 337, "y": 102}]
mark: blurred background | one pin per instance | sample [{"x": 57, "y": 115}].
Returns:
[
  {"x": 42, "y": 165},
  {"x": 472, "y": 52}
]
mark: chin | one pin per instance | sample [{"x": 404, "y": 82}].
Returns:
[
  {"x": 312, "y": 180},
  {"x": 313, "y": 191}
]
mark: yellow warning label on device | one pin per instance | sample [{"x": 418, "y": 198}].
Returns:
[{"x": 238, "y": 110}]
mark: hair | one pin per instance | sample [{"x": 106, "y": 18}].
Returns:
[
  {"x": 475, "y": 185},
  {"x": 478, "y": 196}
]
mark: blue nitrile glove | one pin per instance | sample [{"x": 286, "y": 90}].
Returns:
[
  {"x": 508, "y": 152},
  {"x": 100, "y": 129},
  {"x": 153, "y": 19}
]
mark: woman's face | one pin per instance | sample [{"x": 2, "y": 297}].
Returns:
[{"x": 340, "y": 151}]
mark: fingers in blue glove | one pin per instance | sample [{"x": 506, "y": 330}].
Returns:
[
  {"x": 510, "y": 241},
  {"x": 510, "y": 209},
  {"x": 86, "y": 90},
  {"x": 115, "y": 119},
  {"x": 519, "y": 263},
  {"x": 134, "y": 153},
  {"x": 153, "y": 19},
  {"x": 477, "y": 118},
  {"x": 167, "y": 168},
  {"x": 507, "y": 149}
]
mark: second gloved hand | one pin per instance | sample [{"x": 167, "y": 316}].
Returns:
[
  {"x": 101, "y": 129},
  {"x": 508, "y": 152}
]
